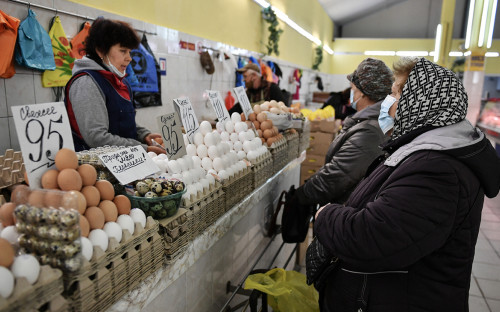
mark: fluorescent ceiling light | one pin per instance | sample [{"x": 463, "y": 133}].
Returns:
[
  {"x": 467, "y": 53},
  {"x": 327, "y": 49},
  {"x": 492, "y": 24},
  {"x": 455, "y": 53},
  {"x": 391, "y": 53},
  {"x": 469, "y": 23},
  {"x": 437, "y": 44},
  {"x": 262, "y": 3},
  {"x": 482, "y": 29},
  {"x": 492, "y": 54},
  {"x": 412, "y": 53}
]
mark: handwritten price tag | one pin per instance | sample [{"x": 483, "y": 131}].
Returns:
[
  {"x": 219, "y": 106},
  {"x": 172, "y": 135},
  {"x": 129, "y": 164},
  {"x": 189, "y": 121},
  {"x": 42, "y": 130},
  {"x": 243, "y": 99}
]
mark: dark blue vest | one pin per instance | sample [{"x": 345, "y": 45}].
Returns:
[{"x": 121, "y": 112}]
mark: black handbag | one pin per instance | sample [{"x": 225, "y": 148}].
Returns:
[{"x": 319, "y": 265}]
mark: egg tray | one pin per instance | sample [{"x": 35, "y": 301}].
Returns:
[
  {"x": 279, "y": 151},
  {"x": 304, "y": 136},
  {"x": 237, "y": 187},
  {"x": 31, "y": 297},
  {"x": 176, "y": 232},
  {"x": 158, "y": 207},
  {"x": 11, "y": 168},
  {"x": 262, "y": 170},
  {"x": 292, "y": 145}
]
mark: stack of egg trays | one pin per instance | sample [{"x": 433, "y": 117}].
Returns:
[
  {"x": 304, "y": 136},
  {"x": 11, "y": 168},
  {"x": 237, "y": 187},
  {"x": 176, "y": 234},
  {"x": 218, "y": 203},
  {"x": 262, "y": 169},
  {"x": 149, "y": 258},
  {"x": 109, "y": 275},
  {"x": 279, "y": 151},
  {"x": 27, "y": 297},
  {"x": 292, "y": 145}
]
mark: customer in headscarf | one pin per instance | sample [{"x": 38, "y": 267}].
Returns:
[
  {"x": 357, "y": 145},
  {"x": 406, "y": 236}
]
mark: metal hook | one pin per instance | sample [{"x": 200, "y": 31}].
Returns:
[
  {"x": 29, "y": 5},
  {"x": 57, "y": 11}
]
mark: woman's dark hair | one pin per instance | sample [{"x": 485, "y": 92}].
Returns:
[{"x": 105, "y": 33}]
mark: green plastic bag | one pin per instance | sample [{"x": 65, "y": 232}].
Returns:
[{"x": 287, "y": 290}]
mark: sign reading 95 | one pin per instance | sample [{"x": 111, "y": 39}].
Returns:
[
  {"x": 189, "y": 120},
  {"x": 172, "y": 135},
  {"x": 42, "y": 130}
]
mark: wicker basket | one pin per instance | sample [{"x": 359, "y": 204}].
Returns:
[{"x": 262, "y": 169}]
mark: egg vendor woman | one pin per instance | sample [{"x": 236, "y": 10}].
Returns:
[{"x": 98, "y": 99}]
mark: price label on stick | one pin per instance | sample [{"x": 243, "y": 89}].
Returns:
[
  {"x": 129, "y": 164},
  {"x": 171, "y": 132},
  {"x": 219, "y": 106},
  {"x": 189, "y": 121},
  {"x": 42, "y": 130},
  {"x": 243, "y": 99}
]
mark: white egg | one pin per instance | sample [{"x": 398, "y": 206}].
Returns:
[
  {"x": 257, "y": 142},
  {"x": 201, "y": 173},
  {"x": 198, "y": 187},
  {"x": 193, "y": 174},
  {"x": 185, "y": 139},
  {"x": 236, "y": 168},
  {"x": 223, "y": 175},
  {"x": 198, "y": 138},
  {"x": 87, "y": 249},
  {"x": 162, "y": 165},
  {"x": 174, "y": 166},
  {"x": 235, "y": 117},
  {"x": 221, "y": 150},
  {"x": 224, "y": 136},
  {"x": 237, "y": 146},
  {"x": 10, "y": 233},
  {"x": 205, "y": 127},
  {"x": 234, "y": 157},
  {"x": 196, "y": 161},
  {"x": 213, "y": 152},
  {"x": 209, "y": 139},
  {"x": 242, "y": 163},
  {"x": 230, "y": 144},
  {"x": 226, "y": 147},
  {"x": 163, "y": 156},
  {"x": 241, "y": 155},
  {"x": 219, "y": 126},
  {"x": 247, "y": 146},
  {"x": 218, "y": 164},
  {"x": 99, "y": 238},
  {"x": 202, "y": 151},
  {"x": 189, "y": 161},
  {"x": 234, "y": 137},
  {"x": 205, "y": 183},
  {"x": 191, "y": 149},
  {"x": 240, "y": 127},
  {"x": 206, "y": 163},
  {"x": 252, "y": 155},
  {"x": 242, "y": 136},
  {"x": 182, "y": 163},
  {"x": 250, "y": 134},
  {"x": 263, "y": 149},
  {"x": 187, "y": 178},
  {"x": 230, "y": 171},
  {"x": 26, "y": 266},
  {"x": 152, "y": 154},
  {"x": 177, "y": 176},
  {"x": 226, "y": 161},
  {"x": 229, "y": 125},
  {"x": 126, "y": 223},
  {"x": 216, "y": 137},
  {"x": 112, "y": 229},
  {"x": 138, "y": 216},
  {"x": 210, "y": 178},
  {"x": 6, "y": 282}
]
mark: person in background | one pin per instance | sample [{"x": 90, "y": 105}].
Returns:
[
  {"x": 98, "y": 99},
  {"x": 259, "y": 89},
  {"x": 357, "y": 145},
  {"x": 340, "y": 102},
  {"x": 406, "y": 236}
]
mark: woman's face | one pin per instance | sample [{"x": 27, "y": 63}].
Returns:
[
  {"x": 397, "y": 89},
  {"x": 118, "y": 56}
]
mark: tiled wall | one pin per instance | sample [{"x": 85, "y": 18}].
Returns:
[{"x": 185, "y": 76}]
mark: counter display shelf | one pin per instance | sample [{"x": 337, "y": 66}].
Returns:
[{"x": 489, "y": 121}]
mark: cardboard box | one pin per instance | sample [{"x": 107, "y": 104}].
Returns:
[
  {"x": 326, "y": 126},
  {"x": 315, "y": 161},
  {"x": 307, "y": 171},
  {"x": 320, "y": 142}
]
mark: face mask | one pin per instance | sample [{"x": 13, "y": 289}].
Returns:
[
  {"x": 115, "y": 70},
  {"x": 385, "y": 120},
  {"x": 351, "y": 99}
]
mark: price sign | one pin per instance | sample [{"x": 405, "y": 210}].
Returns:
[
  {"x": 171, "y": 132},
  {"x": 243, "y": 99},
  {"x": 185, "y": 110},
  {"x": 42, "y": 130},
  {"x": 129, "y": 164},
  {"x": 219, "y": 106}
]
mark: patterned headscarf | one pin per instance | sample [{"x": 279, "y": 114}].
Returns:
[{"x": 432, "y": 96}]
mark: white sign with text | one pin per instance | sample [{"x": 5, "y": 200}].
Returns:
[
  {"x": 171, "y": 132},
  {"x": 244, "y": 101},
  {"x": 189, "y": 121},
  {"x": 218, "y": 105}
]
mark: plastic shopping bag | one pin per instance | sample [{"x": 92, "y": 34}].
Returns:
[
  {"x": 33, "y": 47},
  {"x": 8, "y": 35},
  {"x": 78, "y": 42},
  {"x": 287, "y": 290}
]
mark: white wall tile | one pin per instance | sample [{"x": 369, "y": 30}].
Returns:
[
  {"x": 14, "y": 141},
  {"x": 3, "y": 99},
  {"x": 43, "y": 95},
  {"x": 19, "y": 90},
  {"x": 5, "y": 138}
]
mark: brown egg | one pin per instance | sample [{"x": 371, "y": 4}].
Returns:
[
  {"x": 259, "y": 132},
  {"x": 263, "y": 141},
  {"x": 256, "y": 124},
  {"x": 69, "y": 180},
  {"x": 267, "y": 133},
  {"x": 66, "y": 159},
  {"x": 74, "y": 200},
  {"x": 92, "y": 195},
  {"x": 249, "y": 124},
  {"x": 257, "y": 109},
  {"x": 84, "y": 226},
  {"x": 243, "y": 117},
  {"x": 105, "y": 189},
  {"x": 20, "y": 194},
  {"x": 275, "y": 131},
  {"x": 88, "y": 174},
  {"x": 6, "y": 254},
  {"x": 252, "y": 117},
  {"x": 261, "y": 117},
  {"x": 53, "y": 199},
  {"x": 7, "y": 214},
  {"x": 266, "y": 124},
  {"x": 26, "y": 177},
  {"x": 49, "y": 179},
  {"x": 122, "y": 204},
  {"x": 109, "y": 210},
  {"x": 37, "y": 198},
  {"x": 270, "y": 141},
  {"x": 95, "y": 216}
]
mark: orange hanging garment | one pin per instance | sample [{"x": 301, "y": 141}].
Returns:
[
  {"x": 78, "y": 42},
  {"x": 8, "y": 35}
]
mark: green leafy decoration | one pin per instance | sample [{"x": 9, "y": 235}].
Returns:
[
  {"x": 274, "y": 32},
  {"x": 319, "y": 57}
]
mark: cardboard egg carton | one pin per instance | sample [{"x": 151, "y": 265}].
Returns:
[
  {"x": 292, "y": 145},
  {"x": 237, "y": 187},
  {"x": 11, "y": 168},
  {"x": 279, "y": 152},
  {"x": 27, "y": 297},
  {"x": 199, "y": 196}
]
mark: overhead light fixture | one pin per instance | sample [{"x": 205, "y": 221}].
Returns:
[
  {"x": 437, "y": 44},
  {"x": 412, "y": 53},
  {"x": 263, "y": 3},
  {"x": 482, "y": 29},
  {"x": 492, "y": 54},
  {"x": 455, "y": 53},
  {"x": 492, "y": 24},
  {"x": 469, "y": 23},
  {"x": 328, "y": 50},
  {"x": 467, "y": 53},
  {"x": 390, "y": 53}
]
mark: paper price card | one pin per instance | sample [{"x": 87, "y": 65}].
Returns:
[
  {"x": 42, "y": 130},
  {"x": 219, "y": 106},
  {"x": 189, "y": 121},
  {"x": 171, "y": 132},
  {"x": 129, "y": 164},
  {"x": 243, "y": 99}
]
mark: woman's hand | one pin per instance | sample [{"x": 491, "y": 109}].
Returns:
[
  {"x": 319, "y": 210},
  {"x": 148, "y": 138},
  {"x": 155, "y": 149}
]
